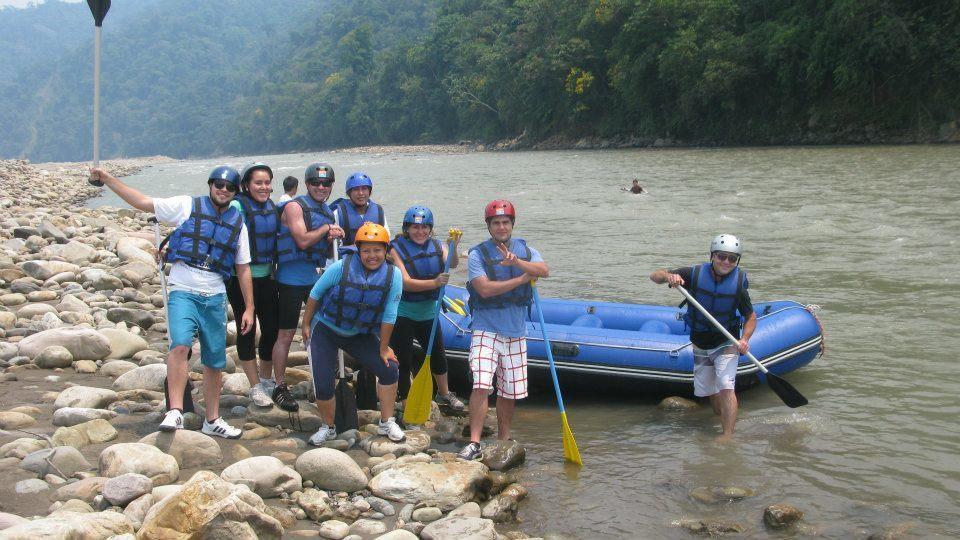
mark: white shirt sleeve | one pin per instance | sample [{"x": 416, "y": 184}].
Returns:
[
  {"x": 243, "y": 247},
  {"x": 173, "y": 210}
]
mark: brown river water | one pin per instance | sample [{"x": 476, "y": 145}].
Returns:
[{"x": 867, "y": 233}]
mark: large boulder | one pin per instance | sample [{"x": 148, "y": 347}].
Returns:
[
  {"x": 94, "y": 431},
  {"x": 140, "y": 317},
  {"x": 116, "y": 368},
  {"x": 62, "y": 461},
  {"x": 83, "y": 343},
  {"x": 119, "y": 491},
  {"x": 331, "y": 469},
  {"x": 70, "y": 525},
  {"x": 191, "y": 449},
  {"x": 444, "y": 485},
  {"x": 209, "y": 507},
  {"x": 72, "y": 304},
  {"x": 460, "y": 528},
  {"x": 135, "y": 249},
  {"x": 44, "y": 270},
  {"x": 415, "y": 442},
  {"x": 123, "y": 344},
  {"x": 85, "y": 396},
  {"x": 53, "y": 357},
  {"x": 16, "y": 420},
  {"x": 267, "y": 476},
  {"x": 148, "y": 377},
  {"x": 309, "y": 419},
  {"x": 85, "y": 490},
  {"x": 71, "y": 416},
  {"x": 72, "y": 252},
  {"x": 139, "y": 458},
  {"x": 503, "y": 455}
]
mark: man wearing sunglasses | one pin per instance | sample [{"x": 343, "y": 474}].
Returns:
[
  {"x": 720, "y": 286},
  {"x": 208, "y": 245},
  {"x": 306, "y": 229}
]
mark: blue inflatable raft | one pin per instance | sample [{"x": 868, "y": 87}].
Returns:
[{"x": 641, "y": 342}]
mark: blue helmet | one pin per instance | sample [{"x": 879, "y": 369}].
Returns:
[
  {"x": 359, "y": 179},
  {"x": 227, "y": 173},
  {"x": 418, "y": 214}
]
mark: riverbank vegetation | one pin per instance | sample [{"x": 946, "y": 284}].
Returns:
[{"x": 347, "y": 73}]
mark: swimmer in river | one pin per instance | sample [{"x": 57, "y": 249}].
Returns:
[{"x": 635, "y": 188}]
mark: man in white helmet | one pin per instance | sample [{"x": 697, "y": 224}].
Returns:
[{"x": 721, "y": 288}]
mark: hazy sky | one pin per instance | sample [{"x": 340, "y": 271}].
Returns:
[{"x": 22, "y": 3}]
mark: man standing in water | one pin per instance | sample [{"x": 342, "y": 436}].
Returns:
[
  {"x": 720, "y": 286},
  {"x": 306, "y": 228},
  {"x": 499, "y": 273},
  {"x": 210, "y": 243}
]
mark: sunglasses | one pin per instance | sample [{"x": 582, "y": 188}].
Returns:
[
  {"x": 220, "y": 184},
  {"x": 726, "y": 257},
  {"x": 324, "y": 183}
]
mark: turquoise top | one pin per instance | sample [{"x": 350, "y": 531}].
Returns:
[
  {"x": 256, "y": 270},
  {"x": 417, "y": 311},
  {"x": 331, "y": 276}
]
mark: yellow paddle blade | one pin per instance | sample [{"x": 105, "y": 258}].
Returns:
[
  {"x": 454, "y": 306},
  {"x": 417, "y": 410},
  {"x": 570, "y": 451}
]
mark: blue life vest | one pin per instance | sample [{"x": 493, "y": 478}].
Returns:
[
  {"x": 358, "y": 300},
  {"x": 207, "y": 240},
  {"x": 720, "y": 298},
  {"x": 421, "y": 262},
  {"x": 315, "y": 215},
  {"x": 263, "y": 221},
  {"x": 519, "y": 296},
  {"x": 351, "y": 221}
]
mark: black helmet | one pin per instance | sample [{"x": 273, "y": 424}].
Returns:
[
  {"x": 248, "y": 170},
  {"x": 319, "y": 170}
]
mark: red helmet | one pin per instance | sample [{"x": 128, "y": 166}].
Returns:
[{"x": 499, "y": 207}]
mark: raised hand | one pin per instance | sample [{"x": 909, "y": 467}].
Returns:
[{"x": 509, "y": 258}]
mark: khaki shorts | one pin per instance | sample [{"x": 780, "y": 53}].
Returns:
[{"x": 714, "y": 370}]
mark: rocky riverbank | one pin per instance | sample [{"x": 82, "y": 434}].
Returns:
[{"x": 82, "y": 347}]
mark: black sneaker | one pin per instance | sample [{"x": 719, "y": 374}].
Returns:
[
  {"x": 283, "y": 398},
  {"x": 471, "y": 452}
]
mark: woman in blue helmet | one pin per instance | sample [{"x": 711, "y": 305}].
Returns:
[{"x": 420, "y": 259}]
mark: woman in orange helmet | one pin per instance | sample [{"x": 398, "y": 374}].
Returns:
[{"x": 353, "y": 307}]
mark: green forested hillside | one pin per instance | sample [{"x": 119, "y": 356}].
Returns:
[
  {"x": 711, "y": 72},
  {"x": 241, "y": 76}
]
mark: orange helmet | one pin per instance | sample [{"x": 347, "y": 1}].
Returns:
[{"x": 371, "y": 232}]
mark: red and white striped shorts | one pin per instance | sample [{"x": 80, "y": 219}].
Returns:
[{"x": 491, "y": 353}]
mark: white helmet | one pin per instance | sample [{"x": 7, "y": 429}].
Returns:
[{"x": 726, "y": 242}]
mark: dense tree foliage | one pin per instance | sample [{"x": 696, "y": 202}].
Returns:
[{"x": 239, "y": 76}]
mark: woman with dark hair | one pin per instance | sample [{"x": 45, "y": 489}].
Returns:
[{"x": 420, "y": 259}]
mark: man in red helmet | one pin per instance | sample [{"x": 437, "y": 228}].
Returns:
[{"x": 499, "y": 273}]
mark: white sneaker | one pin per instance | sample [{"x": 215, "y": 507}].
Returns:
[
  {"x": 172, "y": 421},
  {"x": 221, "y": 428},
  {"x": 325, "y": 433},
  {"x": 259, "y": 395},
  {"x": 391, "y": 430}
]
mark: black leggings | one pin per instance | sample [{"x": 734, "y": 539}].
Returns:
[
  {"x": 404, "y": 331},
  {"x": 265, "y": 309}
]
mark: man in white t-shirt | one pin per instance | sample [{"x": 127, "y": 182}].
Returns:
[{"x": 209, "y": 243}]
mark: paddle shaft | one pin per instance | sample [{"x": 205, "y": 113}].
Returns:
[
  {"x": 97, "y": 37},
  {"x": 693, "y": 302},
  {"x": 546, "y": 345},
  {"x": 436, "y": 309},
  {"x": 163, "y": 277},
  {"x": 336, "y": 257}
]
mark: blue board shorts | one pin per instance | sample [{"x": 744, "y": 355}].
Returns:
[{"x": 192, "y": 314}]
